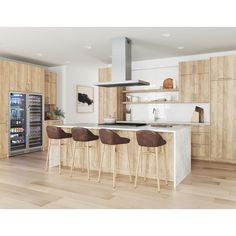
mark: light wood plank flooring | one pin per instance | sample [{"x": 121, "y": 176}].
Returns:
[{"x": 25, "y": 184}]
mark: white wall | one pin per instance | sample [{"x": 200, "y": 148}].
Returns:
[{"x": 68, "y": 78}]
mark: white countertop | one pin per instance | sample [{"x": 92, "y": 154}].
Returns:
[{"x": 125, "y": 127}]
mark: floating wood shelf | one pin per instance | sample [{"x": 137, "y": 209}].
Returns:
[
  {"x": 152, "y": 102},
  {"x": 150, "y": 90}
]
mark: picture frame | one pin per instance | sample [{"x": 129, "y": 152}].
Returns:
[{"x": 85, "y": 99}]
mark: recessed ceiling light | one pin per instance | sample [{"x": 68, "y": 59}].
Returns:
[
  {"x": 67, "y": 62},
  {"x": 88, "y": 47},
  {"x": 180, "y": 47},
  {"x": 166, "y": 35},
  {"x": 39, "y": 54}
]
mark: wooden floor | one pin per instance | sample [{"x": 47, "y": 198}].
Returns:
[{"x": 24, "y": 184}]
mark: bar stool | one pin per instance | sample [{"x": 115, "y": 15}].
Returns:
[
  {"x": 59, "y": 134},
  {"x": 148, "y": 139},
  {"x": 85, "y": 136},
  {"x": 110, "y": 138}
]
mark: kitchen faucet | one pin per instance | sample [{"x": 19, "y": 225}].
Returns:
[{"x": 155, "y": 112}]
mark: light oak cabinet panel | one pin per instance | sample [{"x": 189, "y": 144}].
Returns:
[
  {"x": 4, "y": 96},
  {"x": 110, "y": 99},
  {"x": 3, "y": 140},
  {"x": 223, "y": 67},
  {"x": 50, "y": 88},
  {"x": 194, "y": 81},
  {"x": 223, "y": 120},
  {"x": 36, "y": 79},
  {"x": 200, "y": 142}
]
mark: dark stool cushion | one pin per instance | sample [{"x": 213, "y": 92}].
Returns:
[
  {"x": 54, "y": 132},
  {"x": 147, "y": 138},
  {"x": 111, "y": 138},
  {"x": 83, "y": 135}
]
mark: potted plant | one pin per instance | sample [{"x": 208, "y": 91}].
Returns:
[{"x": 59, "y": 113}]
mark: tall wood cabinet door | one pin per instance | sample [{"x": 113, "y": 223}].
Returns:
[
  {"x": 36, "y": 78},
  {"x": 22, "y": 77},
  {"x": 201, "y": 88},
  {"x": 187, "y": 88},
  {"x": 46, "y": 87},
  {"x": 53, "y": 88},
  {"x": 223, "y": 120},
  {"x": 186, "y": 68},
  {"x": 11, "y": 74},
  {"x": 4, "y": 92},
  {"x": 3, "y": 140},
  {"x": 230, "y": 67},
  {"x": 202, "y": 67}
]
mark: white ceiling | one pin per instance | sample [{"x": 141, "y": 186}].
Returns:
[{"x": 58, "y": 45}]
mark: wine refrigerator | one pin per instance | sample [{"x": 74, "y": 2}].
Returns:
[{"x": 26, "y": 123}]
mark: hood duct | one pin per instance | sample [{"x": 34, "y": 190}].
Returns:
[{"x": 121, "y": 65}]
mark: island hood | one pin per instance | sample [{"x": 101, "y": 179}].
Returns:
[{"x": 121, "y": 65}]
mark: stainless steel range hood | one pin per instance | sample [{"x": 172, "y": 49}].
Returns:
[{"x": 121, "y": 65}]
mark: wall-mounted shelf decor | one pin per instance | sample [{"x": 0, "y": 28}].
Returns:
[{"x": 150, "y": 90}]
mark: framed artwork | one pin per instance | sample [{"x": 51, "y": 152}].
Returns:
[{"x": 85, "y": 99}]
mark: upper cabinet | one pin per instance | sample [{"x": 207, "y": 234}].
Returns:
[
  {"x": 110, "y": 99},
  {"x": 50, "y": 88},
  {"x": 36, "y": 79},
  {"x": 194, "y": 81},
  {"x": 223, "y": 67}
]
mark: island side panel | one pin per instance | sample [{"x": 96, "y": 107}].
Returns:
[{"x": 182, "y": 146}]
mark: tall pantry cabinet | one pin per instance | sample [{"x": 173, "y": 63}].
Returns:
[{"x": 223, "y": 109}]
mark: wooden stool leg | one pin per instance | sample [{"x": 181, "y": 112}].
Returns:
[
  {"x": 157, "y": 170},
  {"x": 130, "y": 171},
  {"x": 59, "y": 143},
  {"x": 73, "y": 159},
  {"x": 48, "y": 152},
  {"x": 97, "y": 153},
  {"x": 166, "y": 164},
  {"x": 114, "y": 165},
  {"x": 145, "y": 167},
  {"x": 83, "y": 158},
  {"x": 88, "y": 159},
  {"x": 137, "y": 167},
  {"x": 100, "y": 168}
]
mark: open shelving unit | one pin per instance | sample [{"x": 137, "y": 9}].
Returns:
[{"x": 150, "y": 90}]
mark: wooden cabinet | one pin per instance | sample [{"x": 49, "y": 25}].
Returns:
[
  {"x": 36, "y": 79},
  {"x": 223, "y": 67},
  {"x": 223, "y": 120},
  {"x": 200, "y": 142},
  {"x": 110, "y": 99},
  {"x": 3, "y": 140},
  {"x": 50, "y": 88},
  {"x": 194, "y": 81},
  {"x": 45, "y": 137}
]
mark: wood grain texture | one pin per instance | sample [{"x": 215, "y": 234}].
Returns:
[
  {"x": 25, "y": 184},
  {"x": 110, "y": 99},
  {"x": 36, "y": 78},
  {"x": 194, "y": 81}
]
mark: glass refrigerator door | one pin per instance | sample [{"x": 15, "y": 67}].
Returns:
[
  {"x": 35, "y": 120},
  {"x": 17, "y": 121}
]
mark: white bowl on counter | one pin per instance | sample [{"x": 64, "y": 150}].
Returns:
[{"x": 109, "y": 120}]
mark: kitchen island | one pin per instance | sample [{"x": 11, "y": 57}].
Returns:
[{"x": 177, "y": 151}]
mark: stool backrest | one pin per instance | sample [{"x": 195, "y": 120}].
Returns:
[
  {"x": 108, "y": 136},
  {"x": 54, "y": 132},
  {"x": 149, "y": 138},
  {"x": 82, "y": 134}
]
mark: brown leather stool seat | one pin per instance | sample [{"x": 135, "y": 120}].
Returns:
[
  {"x": 152, "y": 139},
  {"x": 109, "y": 137},
  {"x": 54, "y": 132},
  {"x": 85, "y": 136},
  {"x": 146, "y": 138},
  {"x": 57, "y": 133}
]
